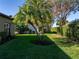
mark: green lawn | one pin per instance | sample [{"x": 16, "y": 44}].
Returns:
[{"x": 22, "y": 48}]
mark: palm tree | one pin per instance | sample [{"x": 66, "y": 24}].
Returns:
[{"x": 35, "y": 13}]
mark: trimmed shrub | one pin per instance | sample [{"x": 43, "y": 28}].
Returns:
[{"x": 73, "y": 31}]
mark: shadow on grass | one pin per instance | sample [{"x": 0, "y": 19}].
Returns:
[{"x": 23, "y": 48}]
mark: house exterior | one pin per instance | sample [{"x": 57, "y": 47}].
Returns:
[{"x": 6, "y": 24}]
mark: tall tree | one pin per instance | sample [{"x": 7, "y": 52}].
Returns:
[
  {"x": 62, "y": 8},
  {"x": 35, "y": 13}
]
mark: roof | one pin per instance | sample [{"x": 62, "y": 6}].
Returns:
[{"x": 6, "y": 16}]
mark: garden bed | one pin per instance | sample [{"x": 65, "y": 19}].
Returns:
[{"x": 42, "y": 42}]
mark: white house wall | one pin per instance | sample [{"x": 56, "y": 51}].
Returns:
[{"x": 4, "y": 20}]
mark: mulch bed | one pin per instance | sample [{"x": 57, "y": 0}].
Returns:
[{"x": 42, "y": 42}]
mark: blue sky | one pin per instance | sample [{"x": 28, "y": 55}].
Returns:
[
  {"x": 73, "y": 16},
  {"x": 11, "y": 7}
]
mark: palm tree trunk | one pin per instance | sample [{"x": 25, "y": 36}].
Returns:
[
  {"x": 35, "y": 28},
  {"x": 38, "y": 34}
]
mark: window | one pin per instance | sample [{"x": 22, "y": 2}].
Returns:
[{"x": 6, "y": 26}]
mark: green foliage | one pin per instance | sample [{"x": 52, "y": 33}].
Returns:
[
  {"x": 65, "y": 29},
  {"x": 21, "y": 28},
  {"x": 2, "y": 34},
  {"x": 61, "y": 23},
  {"x": 73, "y": 30},
  {"x": 54, "y": 30},
  {"x": 35, "y": 12}
]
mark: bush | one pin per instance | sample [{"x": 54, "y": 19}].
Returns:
[
  {"x": 65, "y": 28},
  {"x": 54, "y": 32},
  {"x": 21, "y": 28},
  {"x": 73, "y": 31},
  {"x": 3, "y": 36}
]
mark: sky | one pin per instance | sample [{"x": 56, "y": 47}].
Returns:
[
  {"x": 73, "y": 16},
  {"x": 11, "y": 7}
]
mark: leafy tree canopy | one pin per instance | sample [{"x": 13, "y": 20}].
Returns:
[
  {"x": 62, "y": 8},
  {"x": 36, "y": 11}
]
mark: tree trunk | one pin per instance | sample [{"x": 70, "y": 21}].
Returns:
[
  {"x": 61, "y": 30},
  {"x": 38, "y": 34},
  {"x": 35, "y": 28}
]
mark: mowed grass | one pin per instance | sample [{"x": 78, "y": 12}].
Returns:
[
  {"x": 71, "y": 49},
  {"x": 22, "y": 48}
]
